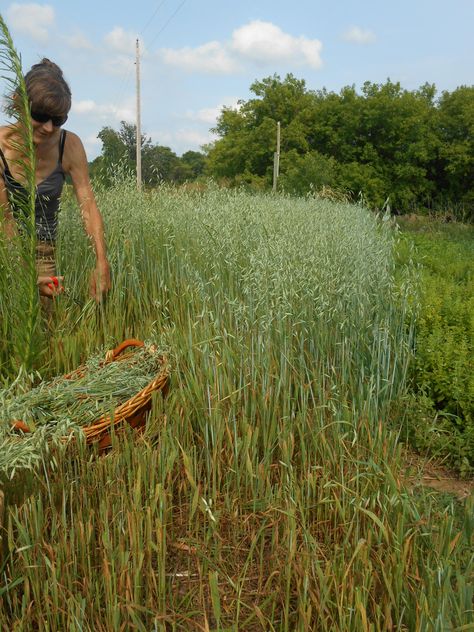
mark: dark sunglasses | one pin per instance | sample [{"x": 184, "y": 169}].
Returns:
[{"x": 42, "y": 117}]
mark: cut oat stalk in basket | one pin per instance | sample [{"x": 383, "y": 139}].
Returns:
[{"x": 101, "y": 395}]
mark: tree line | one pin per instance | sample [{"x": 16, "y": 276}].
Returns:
[
  {"x": 159, "y": 163},
  {"x": 414, "y": 148}
]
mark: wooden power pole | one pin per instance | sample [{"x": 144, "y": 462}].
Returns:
[
  {"x": 139, "y": 124},
  {"x": 276, "y": 159}
]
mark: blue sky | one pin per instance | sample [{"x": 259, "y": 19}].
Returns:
[{"x": 199, "y": 55}]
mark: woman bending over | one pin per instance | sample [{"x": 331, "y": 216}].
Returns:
[{"x": 58, "y": 153}]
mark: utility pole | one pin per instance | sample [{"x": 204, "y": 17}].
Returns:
[
  {"x": 276, "y": 159},
  {"x": 139, "y": 124}
]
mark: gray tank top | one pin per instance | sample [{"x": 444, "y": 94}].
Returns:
[{"x": 48, "y": 196}]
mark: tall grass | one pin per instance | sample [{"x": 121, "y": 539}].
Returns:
[
  {"x": 267, "y": 492},
  {"x": 20, "y": 313}
]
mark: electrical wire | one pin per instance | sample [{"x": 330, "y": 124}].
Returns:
[
  {"x": 126, "y": 78},
  {"x": 167, "y": 23},
  {"x": 153, "y": 15},
  {"x": 127, "y": 74},
  {"x": 124, "y": 84}
]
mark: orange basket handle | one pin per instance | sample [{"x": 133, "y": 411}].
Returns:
[{"x": 131, "y": 342}]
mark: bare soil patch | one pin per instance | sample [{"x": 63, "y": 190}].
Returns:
[{"x": 429, "y": 473}]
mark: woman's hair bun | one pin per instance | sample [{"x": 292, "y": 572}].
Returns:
[
  {"x": 47, "y": 89},
  {"x": 50, "y": 65}
]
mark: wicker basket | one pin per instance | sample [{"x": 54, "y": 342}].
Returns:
[{"x": 132, "y": 412}]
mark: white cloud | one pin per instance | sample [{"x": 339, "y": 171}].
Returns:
[
  {"x": 105, "y": 111},
  {"x": 182, "y": 139},
  {"x": 206, "y": 115},
  {"x": 92, "y": 145},
  {"x": 78, "y": 41},
  {"x": 32, "y": 20},
  {"x": 191, "y": 137},
  {"x": 83, "y": 107},
  {"x": 92, "y": 139},
  {"x": 123, "y": 45},
  {"x": 120, "y": 65},
  {"x": 265, "y": 42},
  {"x": 121, "y": 41},
  {"x": 211, "y": 57},
  {"x": 210, "y": 115},
  {"x": 358, "y": 35},
  {"x": 257, "y": 41}
]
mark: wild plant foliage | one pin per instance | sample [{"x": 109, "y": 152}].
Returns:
[{"x": 20, "y": 318}]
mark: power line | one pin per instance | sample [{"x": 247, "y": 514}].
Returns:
[
  {"x": 166, "y": 23},
  {"x": 127, "y": 74},
  {"x": 153, "y": 15},
  {"x": 124, "y": 84}
]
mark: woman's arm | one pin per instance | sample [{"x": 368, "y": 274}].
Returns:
[
  {"x": 75, "y": 163},
  {"x": 7, "y": 220}
]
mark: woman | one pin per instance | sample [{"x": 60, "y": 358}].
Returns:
[{"x": 58, "y": 153}]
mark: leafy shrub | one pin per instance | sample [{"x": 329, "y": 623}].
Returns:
[{"x": 442, "y": 414}]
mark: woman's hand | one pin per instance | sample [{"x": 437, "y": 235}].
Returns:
[
  {"x": 50, "y": 286},
  {"x": 100, "y": 282},
  {"x": 76, "y": 165}
]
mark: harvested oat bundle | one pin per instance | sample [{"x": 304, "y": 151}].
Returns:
[{"x": 92, "y": 399}]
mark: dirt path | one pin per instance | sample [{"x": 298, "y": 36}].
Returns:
[{"x": 422, "y": 471}]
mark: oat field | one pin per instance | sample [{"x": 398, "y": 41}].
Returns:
[{"x": 267, "y": 492}]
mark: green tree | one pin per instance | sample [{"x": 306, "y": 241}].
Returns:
[
  {"x": 456, "y": 153},
  {"x": 400, "y": 140},
  {"x": 159, "y": 164},
  {"x": 193, "y": 164},
  {"x": 382, "y": 141},
  {"x": 118, "y": 151},
  {"x": 302, "y": 173},
  {"x": 113, "y": 147},
  {"x": 247, "y": 134}
]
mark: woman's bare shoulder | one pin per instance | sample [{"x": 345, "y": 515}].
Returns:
[
  {"x": 72, "y": 138},
  {"x": 73, "y": 144},
  {"x": 74, "y": 153},
  {"x": 6, "y": 134}
]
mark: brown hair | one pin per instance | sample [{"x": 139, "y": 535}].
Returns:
[{"x": 47, "y": 89}]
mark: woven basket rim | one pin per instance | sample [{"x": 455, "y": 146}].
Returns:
[{"x": 133, "y": 409}]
